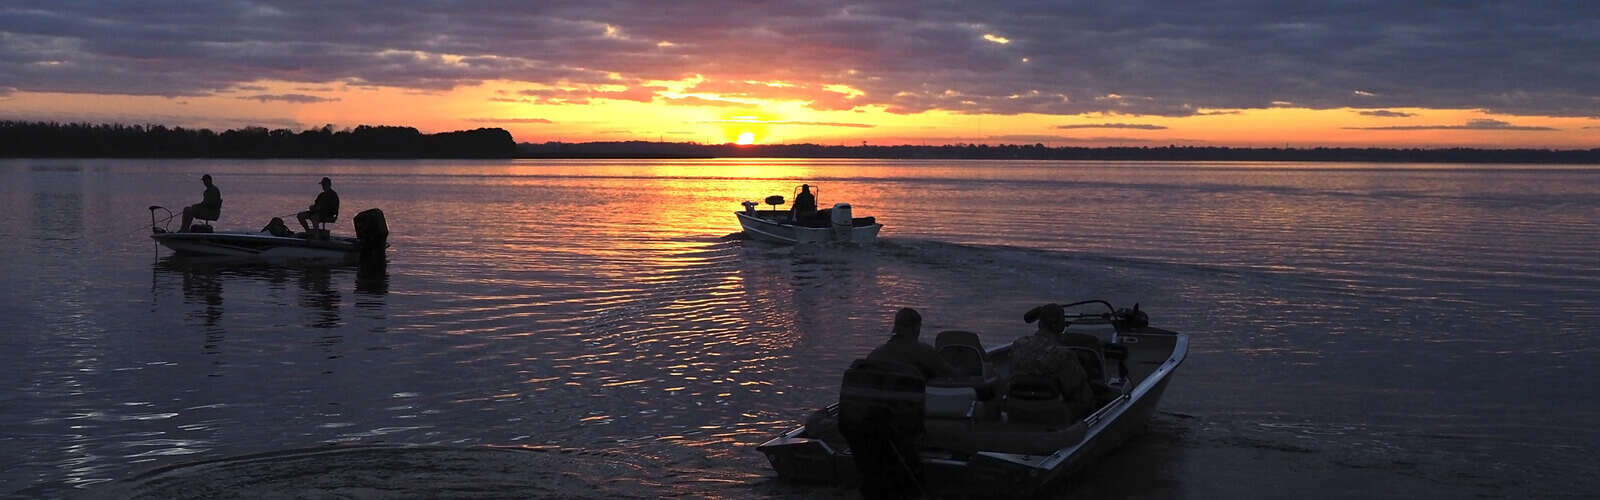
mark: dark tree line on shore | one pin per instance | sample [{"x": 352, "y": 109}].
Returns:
[
  {"x": 82, "y": 140},
  {"x": 642, "y": 149}
]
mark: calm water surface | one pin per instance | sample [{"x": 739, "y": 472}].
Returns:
[{"x": 1360, "y": 331}]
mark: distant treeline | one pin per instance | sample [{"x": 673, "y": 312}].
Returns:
[
  {"x": 641, "y": 149},
  {"x": 81, "y": 140}
]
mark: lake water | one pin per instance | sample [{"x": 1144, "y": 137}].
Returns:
[{"x": 597, "y": 328}]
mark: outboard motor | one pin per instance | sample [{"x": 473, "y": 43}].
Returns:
[
  {"x": 373, "y": 231},
  {"x": 841, "y": 218}
]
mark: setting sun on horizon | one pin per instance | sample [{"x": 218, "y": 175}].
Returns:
[{"x": 930, "y": 78}]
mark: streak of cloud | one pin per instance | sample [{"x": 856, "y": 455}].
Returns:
[
  {"x": 289, "y": 98},
  {"x": 799, "y": 123},
  {"x": 542, "y": 121},
  {"x": 1135, "y": 126},
  {"x": 1482, "y": 124},
  {"x": 1384, "y": 113},
  {"x": 1058, "y": 139}
]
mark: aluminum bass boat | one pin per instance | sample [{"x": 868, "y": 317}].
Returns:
[
  {"x": 983, "y": 447},
  {"x": 832, "y": 225}
]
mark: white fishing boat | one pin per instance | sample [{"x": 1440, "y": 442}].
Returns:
[
  {"x": 372, "y": 233},
  {"x": 1004, "y": 445},
  {"x": 832, "y": 225}
]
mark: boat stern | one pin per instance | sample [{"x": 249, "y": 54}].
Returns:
[{"x": 809, "y": 460}]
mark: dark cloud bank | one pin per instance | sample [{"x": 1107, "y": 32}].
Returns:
[{"x": 1164, "y": 58}]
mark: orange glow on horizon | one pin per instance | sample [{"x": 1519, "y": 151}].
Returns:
[{"x": 635, "y": 115}]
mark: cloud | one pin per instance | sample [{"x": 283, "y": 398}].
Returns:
[
  {"x": 1384, "y": 113},
  {"x": 511, "y": 120},
  {"x": 1136, "y": 126},
  {"x": 1480, "y": 124},
  {"x": 1057, "y": 140},
  {"x": 290, "y": 98},
  {"x": 584, "y": 95},
  {"x": 1159, "y": 58},
  {"x": 1030, "y": 139},
  {"x": 701, "y": 101},
  {"x": 798, "y": 123}
]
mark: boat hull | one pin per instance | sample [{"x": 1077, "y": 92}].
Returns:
[
  {"x": 796, "y": 455},
  {"x": 261, "y": 246},
  {"x": 775, "y": 227}
]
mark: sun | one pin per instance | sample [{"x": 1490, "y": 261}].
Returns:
[{"x": 747, "y": 138}]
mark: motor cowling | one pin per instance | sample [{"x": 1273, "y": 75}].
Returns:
[
  {"x": 372, "y": 229},
  {"x": 841, "y": 218}
]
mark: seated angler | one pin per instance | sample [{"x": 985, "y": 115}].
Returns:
[
  {"x": 209, "y": 208},
  {"x": 325, "y": 209},
  {"x": 1042, "y": 354},
  {"x": 805, "y": 204}
]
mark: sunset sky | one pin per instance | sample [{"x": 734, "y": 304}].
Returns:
[{"x": 1254, "y": 73}]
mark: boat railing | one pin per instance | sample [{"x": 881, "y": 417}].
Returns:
[{"x": 1106, "y": 409}]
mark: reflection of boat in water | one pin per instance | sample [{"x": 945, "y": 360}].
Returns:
[
  {"x": 1006, "y": 445},
  {"x": 317, "y": 245},
  {"x": 837, "y": 224},
  {"x": 258, "y": 288}
]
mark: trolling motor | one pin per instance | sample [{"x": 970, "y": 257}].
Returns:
[
  {"x": 153, "y": 228},
  {"x": 1131, "y": 319}
]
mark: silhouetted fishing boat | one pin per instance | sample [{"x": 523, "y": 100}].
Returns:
[
  {"x": 999, "y": 447},
  {"x": 372, "y": 235},
  {"x": 837, "y": 224}
]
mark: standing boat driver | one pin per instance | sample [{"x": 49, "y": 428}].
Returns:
[
  {"x": 325, "y": 209},
  {"x": 903, "y": 346},
  {"x": 883, "y": 436},
  {"x": 805, "y": 204},
  {"x": 209, "y": 208}
]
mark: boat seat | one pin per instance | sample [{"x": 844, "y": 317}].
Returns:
[
  {"x": 1094, "y": 363},
  {"x": 201, "y": 225},
  {"x": 946, "y": 400},
  {"x": 951, "y": 408},
  {"x": 964, "y": 351},
  {"x": 317, "y": 223},
  {"x": 966, "y": 359},
  {"x": 1034, "y": 399}
]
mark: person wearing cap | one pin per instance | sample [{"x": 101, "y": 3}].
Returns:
[
  {"x": 903, "y": 346},
  {"x": 209, "y": 208},
  {"x": 1045, "y": 353},
  {"x": 805, "y": 204},
  {"x": 885, "y": 447},
  {"x": 325, "y": 209}
]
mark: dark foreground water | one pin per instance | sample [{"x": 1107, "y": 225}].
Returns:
[{"x": 594, "y": 329}]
